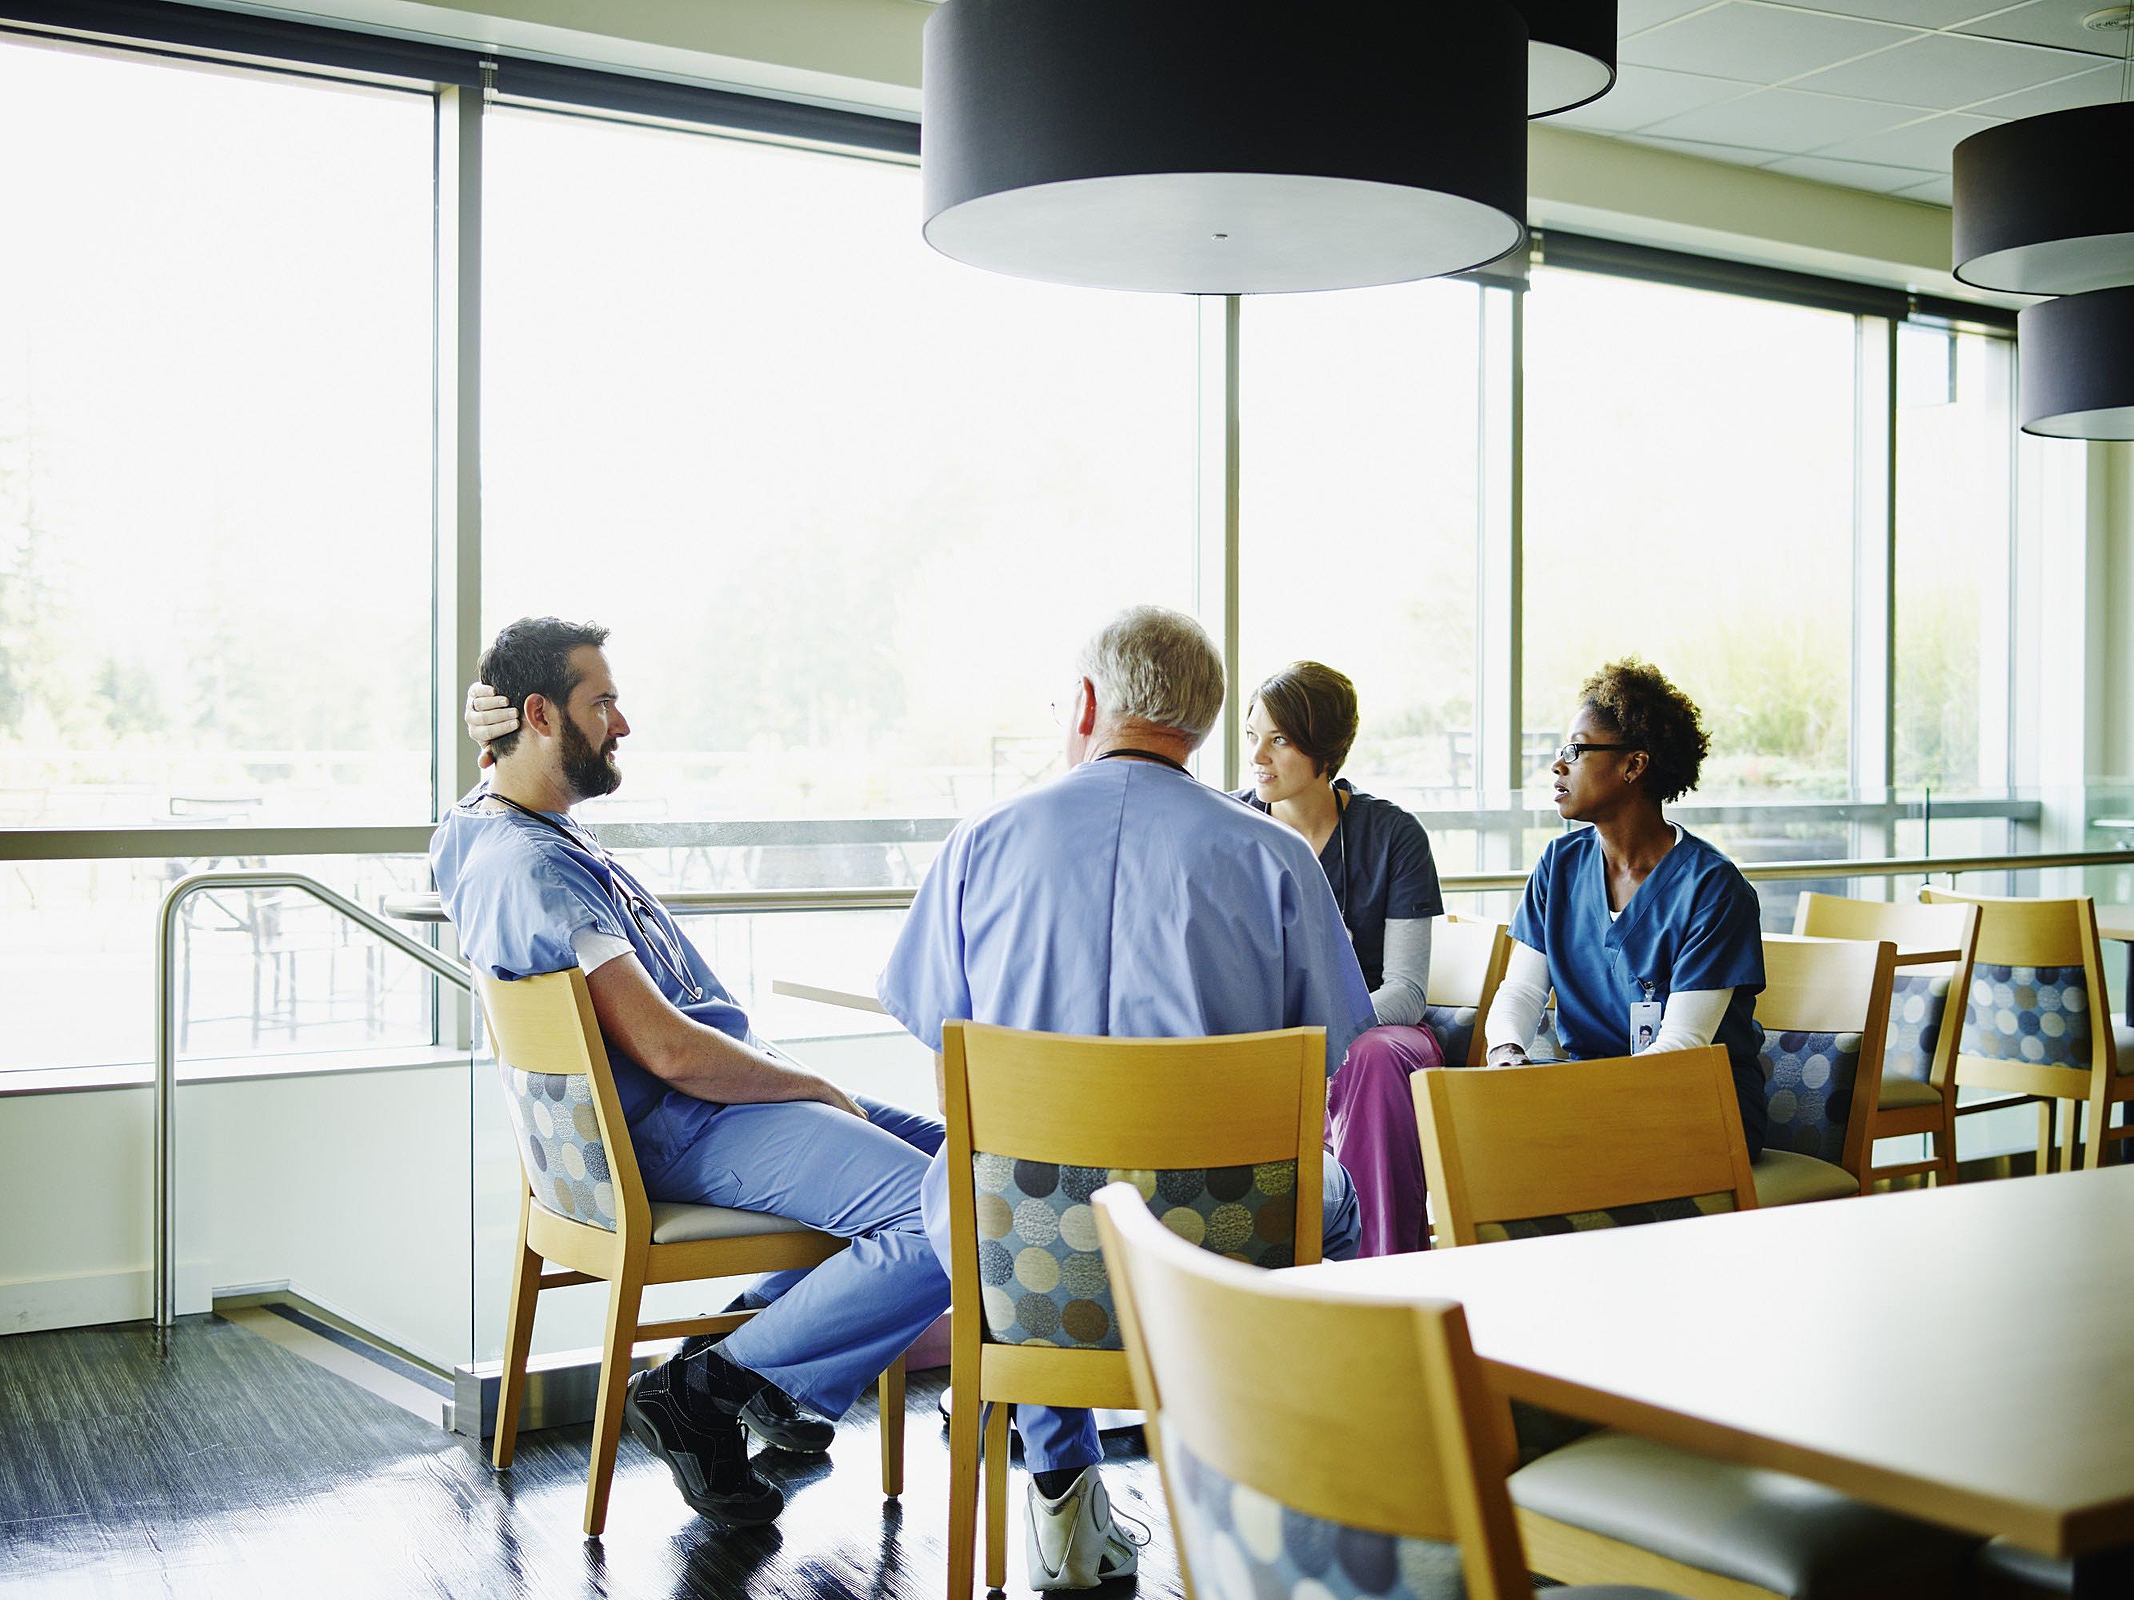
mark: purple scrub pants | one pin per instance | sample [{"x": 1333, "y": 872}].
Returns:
[{"x": 1371, "y": 1115}]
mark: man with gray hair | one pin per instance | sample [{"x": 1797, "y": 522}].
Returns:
[{"x": 1125, "y": 898}]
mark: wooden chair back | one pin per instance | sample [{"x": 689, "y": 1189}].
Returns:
[
  {"x": 1392, "y": 1435},
  {"x": 573, "y": 1141},
  {"x": 2046, "y": 952},
  {"x": 1825, "y": 1016},
  {"x": 1467, "y": 961},
  {"x": 1561, "y": 1147}
]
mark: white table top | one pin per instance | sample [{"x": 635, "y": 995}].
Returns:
[{"x": 1965, "y": 1355}]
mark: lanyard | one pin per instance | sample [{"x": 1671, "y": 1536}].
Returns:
[
  {"x": 1146, "y": 755},
  {"x": 658, "y": 939}
]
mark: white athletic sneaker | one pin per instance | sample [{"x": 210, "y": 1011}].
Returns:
[{"x": 1074, "y": 1541}]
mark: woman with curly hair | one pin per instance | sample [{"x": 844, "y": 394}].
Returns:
[
  {"x": 1633, "y": 922},
  {"x": 1298, "y": 730}
]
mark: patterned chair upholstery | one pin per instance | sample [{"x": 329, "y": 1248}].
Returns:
[
  {"x": 1039, "y": 1263},
  {"x": 1630, "y": 1216},
  {"x": 2035, "y": 1015},
  {"x": 1918, "y": 1005},
  {"x": 1454, "y": 1029},
  {"x": 1808, "y": 1092},
  {"x": 1242, "y": 1543},
  {"x": 559, "y": 1144}
]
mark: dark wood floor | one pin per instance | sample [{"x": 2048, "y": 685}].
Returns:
[{"x": 227, "y": 1466}]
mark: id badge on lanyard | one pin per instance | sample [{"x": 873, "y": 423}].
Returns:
[{"x": 1644, "y": 1019}]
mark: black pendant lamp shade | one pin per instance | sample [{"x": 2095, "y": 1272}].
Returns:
[
  {"x": 1572, "y": 57},
  {"x": 2044, "y": 205},
  {"x": 1224, "y": 146},
  {"x": 2076, "y": 357}
]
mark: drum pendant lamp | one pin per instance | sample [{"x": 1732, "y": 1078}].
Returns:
[
  {"x": 1571, "y": 59},
  {"x": 2076, "y": 358},
  {"x": 2045, "y": 205},
  {"x": 1224, "y": 146}
]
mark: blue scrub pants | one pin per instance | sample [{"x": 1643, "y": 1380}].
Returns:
[
  {"x": 831, "y": 1329},
  {"x": 1056, "y": 1439}
]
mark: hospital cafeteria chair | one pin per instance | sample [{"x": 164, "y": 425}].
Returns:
[
  {"x": 1918, "y": 1094},
  {"x": 1376, "y": 1466},
  {"x": 1655, "y": 1139},
  {"x": 1221, "y": 1138},
  {"x": 1825, "y": 1015},
  {"x": 585, "y": 1209},
  {"x": 1467, "y": 961},
  {"x": 2038, "y": 1021}
]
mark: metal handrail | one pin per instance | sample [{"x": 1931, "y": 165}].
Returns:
[
  {"x": 166, "y": 1230},
  {"x": 426, "y": 907}
]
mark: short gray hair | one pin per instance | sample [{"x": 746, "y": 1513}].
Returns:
[{"x": 1158, "y": 666}]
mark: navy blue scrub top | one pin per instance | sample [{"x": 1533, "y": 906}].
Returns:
[
  {"x": 1378, "y": 863},
  {"x": 1694, "y": 923}
]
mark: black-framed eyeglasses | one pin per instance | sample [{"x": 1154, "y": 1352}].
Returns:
[{"x": 1568, "y": 754}]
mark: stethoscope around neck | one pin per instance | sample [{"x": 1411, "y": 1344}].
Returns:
[{"x": 657, "y": 939}]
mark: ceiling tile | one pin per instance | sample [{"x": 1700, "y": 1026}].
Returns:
[
  {"x": 1852, "y": 174},
  {"x": 1925, "y": 144},
  {"x": 1633, "y": 16},
  {"x": 1643, "y": 95},
  {"x": 1705, "y": 152},
  {"x": 2053, "y": 22},
  {"x": 1757, "y": 43},
  {"x": 1944, "y": 71},
  {"x": 1782, "y": 120},
  {"x": 1941, "y": 192},
  {"x": 2096, "y": 87},
  {"x": 1912, "y": 13}
]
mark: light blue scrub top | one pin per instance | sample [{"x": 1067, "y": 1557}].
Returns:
[
  {"x": 1127, "y": 898},
  {"x": 1694, "y": 923},
  {"x": 518, "y": 891}
]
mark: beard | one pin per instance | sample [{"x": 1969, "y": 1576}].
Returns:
[{"x": 590, "y": 773}]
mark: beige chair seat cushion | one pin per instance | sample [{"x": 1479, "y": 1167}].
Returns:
[
  {"x": 1781, "y": 1533},
  {"x": 1901, "y": 1092},
  {"x": 680, "y": 1224},
  {"x": 1788, "y": 1178}
]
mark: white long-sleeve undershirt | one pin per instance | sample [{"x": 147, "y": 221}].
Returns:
[
  {"x": 1690, "y": 1018},
  {"x": 1399, "y": 1000}
]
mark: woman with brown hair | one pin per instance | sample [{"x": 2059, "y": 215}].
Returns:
[{"x": 1298, "y": 731}]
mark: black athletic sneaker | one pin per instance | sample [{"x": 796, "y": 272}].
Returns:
[
  {"x": 710, "y": 1464},
  {"x": 770, "y": 1413}
]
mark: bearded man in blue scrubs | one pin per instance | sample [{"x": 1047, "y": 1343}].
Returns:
[
  {"x": 717, "y": 1117},
  {"x": 1651, "y": 938},
  {"x": 1125, "y": 898}
]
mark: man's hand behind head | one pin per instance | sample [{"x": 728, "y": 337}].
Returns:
[{"x": 489, "y": 716}]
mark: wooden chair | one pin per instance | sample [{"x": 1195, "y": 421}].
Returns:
[
  {"x": 585, "y": 1209},
  {"x": 1520, "y": 1151},
  {"x": 1467, "y": 960},
  {"x": 1919, "y": 1060},
  {"x": 1222, "y": 1136},
  {"x": 1384, "y": 1439},
  {"x": 2037, "y": 1019},
  {"x": 1825, "y": 1016},
  {"x": 1590, "y": 1145}
]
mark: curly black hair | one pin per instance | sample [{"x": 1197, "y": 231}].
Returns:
[{"x": 1635, "y": 699}]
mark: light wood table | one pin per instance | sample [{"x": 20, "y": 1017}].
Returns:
[
  {"x": 2117, "y": 924},
  {"x": 852, "y": 999},
  {"x": 1964, "y": 1355}
]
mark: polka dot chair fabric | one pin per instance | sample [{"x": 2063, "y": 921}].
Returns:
[
  {"x": 1244, "y": 1545},
  {"x": 1454, "y": 1029},
  {"x": 559, "y": 1144},
  {"x": 2036, "y": 1015},
  {"x": 1696, "y": 1205},
  {"x": 1041, "y": 1271},
  {"x": 1808, "y": 1084},
  {"x": 1918, "y": 1004}
]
